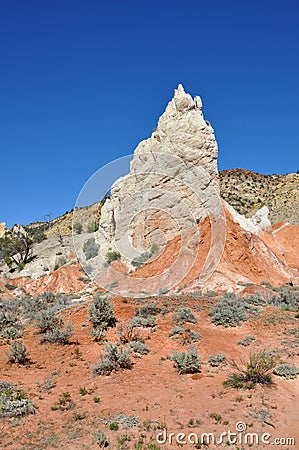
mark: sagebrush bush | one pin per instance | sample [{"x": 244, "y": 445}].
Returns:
[
  {"x": 47, "y": 321},
  {"x": 177, "y": 330},
  {"x": 230, "y": 311},
  {"x": 13, "y": 401},
  {"x": 100, "y": 312},
  {"x": 139, "y": 347},
  {"x": 115, "y": 358},
  {"x": 148, "y": 309},
  {"x": 247, "y": 340},
  {"x": 218, "y": 360},
  {"x": 183, "y": 315},
  {"x": 58, "y": 334},
  {"x": 17, "y": 353},
  {"x": 187, "y": 362},
  {"x": 128, "y": 333},
  {"x": 101, "y": 438},
  {"x": 10, "y": 325},
  {"x": 112, "y": 256},
  {"x": 254, "y": 371},
  {"x": 90, "y": 248},
  {"x": 149, "y": 321},
  {"x": 288, "y": 371}
]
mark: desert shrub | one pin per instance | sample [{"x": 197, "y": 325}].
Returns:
[
  {"x": 254, "y": 371},
  {"x": 47, "y": 321},
  {"x": 187, "y": 362},
  {"x": 90, "y": 248},
  {"x": 101, "y": 438},
  {"x": 141, "y": 259},
  {"x": 177, "y": 330},
  {"x": 127, "y": 333},
  {"x": 100, "y": 312},
  {"x": 149, "y": 321},
  {"x": 247, "y": 340},
  {"x": 211, "y": 294},
  {"x": 230, "y": 311},
  {"x": 287, "y": 300},
  {"x": 148, "y": 309},
  {"x": 60, "y": 261},
  {"x": 99, "y": 334},
  {"x": 115, "y": 358},
  {"x": 78, "y": 227},
  {"x": 288, "y": 371},
  {"x": 145, "y": 256},
  {"x": 13, "y": 401},
  {"x": 139, "y": 347},
  {"x": 58, "y": 335},
  {"x": 17, "y": 353},
  {"x": 183, "y": 315},
  {"x": 194, "y": 336},
  {"x": 92, "y": 227},
  {"x": 64, "y": 403},
  {"x": 218, "y": 360},
  {"x": 10, "y": 325},
  {"x": 112, "y": 256}
]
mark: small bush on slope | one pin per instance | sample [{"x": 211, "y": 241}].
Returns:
[
  {"x": 13, "y": 401},
  {"x": 114, "y": 359},
  {"x": 17, "y": 353},
  {"x": 187, "y": 362},
  {"x": 231, "y": 310},
  {"x": 101, "y": 313},
  {"x": 288, "y": 371}
]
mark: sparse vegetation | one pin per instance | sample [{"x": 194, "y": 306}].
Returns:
[
  {"x": 183, "y": 315},
  {"x": 187, "y": 362},
  {"x": 115, "y": 358},
  {"x": 112, "y": 256},
  {"x": 17, "y": 354},
  {"x": 288, "y": 371},
  {"x": 90, "y": 248},
  {"x": 218, "y": 360},
  {"x": 230, "y": 310},
  {"x": 255, "y": 371},
  {"x": 101, "y": 314},
  {"x": 13, "y": 401},
  {"x": 247, "y": 340},
  {"x": 78, "y": 227}
]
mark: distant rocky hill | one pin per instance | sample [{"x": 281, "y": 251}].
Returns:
[{"x": 248, "y": 191}]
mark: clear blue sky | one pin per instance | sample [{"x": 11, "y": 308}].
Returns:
[{"x": 81, "y": 83}]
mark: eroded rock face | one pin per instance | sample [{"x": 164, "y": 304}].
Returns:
[
  {"x": 173, "y": 182},
  {"x": 2, "y": 229}
]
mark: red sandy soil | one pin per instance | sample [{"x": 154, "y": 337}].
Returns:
[{"x": 152, "y": 390}]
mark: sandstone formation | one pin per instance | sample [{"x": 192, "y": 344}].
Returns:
[
  {"x": 2, "y": 229},
  {"x": 173, "y": 182}
]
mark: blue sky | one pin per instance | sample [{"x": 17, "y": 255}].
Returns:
[{"x": 81, "y": 83}]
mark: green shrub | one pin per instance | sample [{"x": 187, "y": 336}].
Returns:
[
  {"x": 187, "y": 362},
  {"x": 60, "y": 261},
  {"x": 255, "y": 371},
  {"x": 230, "y": 311},
  {"x": 10, "y": 326},
  {"x": 139, "y": 347},
  {"x": 13, "y": 401},
  {"x": 114, "y": 359},
  {"x": 17, "y": 353},
  {"x": 78, "y": 227},
  {"x": 65, "y": 402},
  {"x": 218, "y": 360},
  {"x": 177, "y": 330},
  {"x": 127, "y": 333},
  {"x": 101, "y": 313},
  {"x": 141, "y": 259},
  {"x": 92, "y": 227},
  {"x": 90, "y": 248},
  {"x": 148, "y": 309},
  {"x": 149, "y": 322},
  {"x": 247, "y": 340},
  {"x": 58, "y": 335},
  {"x": 288, "y": 371},
  {"x": 47, "y": 321},
  {"x": 183, "y": 315},
  {"x": 112, "y": 256},
  {"x": 101, "y": 438}
]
